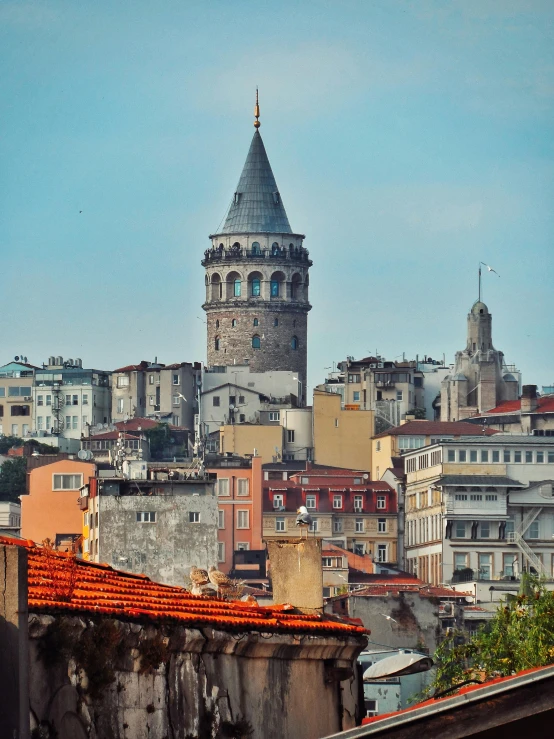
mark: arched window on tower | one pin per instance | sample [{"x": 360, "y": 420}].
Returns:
[
  {"x": 217, "y": 323},
  {"x": 256, "y": 288},
  {"x": 234, "y": 322},
  {"x": 275, "y": 251},
  {"x": 256, "y": 342},
  {"x": 236, "y": 289},
  {"x": 256, "y": 251},
  {"x": 294, "y": 343},
  {"x": 275, "y": 321},
  {"x": 216, "y": 343}
]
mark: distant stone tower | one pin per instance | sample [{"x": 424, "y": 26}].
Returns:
[
  {"x": 257, "y": 277},
  {"x": 480, "y": 380}
]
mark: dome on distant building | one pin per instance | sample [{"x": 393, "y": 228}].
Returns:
[
  {"x": 509, "y": 377},
  {"x": 479, "y": 307}
]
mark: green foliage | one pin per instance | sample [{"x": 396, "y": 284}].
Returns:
[
  {"x": 9, "y": 442},
  {"x": 159, "y": 438},
  {"x": 419, "y": 413},
  {"x": 13, "y": 474},
  {"x": 519, "y": 637}
]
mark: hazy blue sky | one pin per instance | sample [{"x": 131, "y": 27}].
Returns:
[{"x": 409, "y": 140}]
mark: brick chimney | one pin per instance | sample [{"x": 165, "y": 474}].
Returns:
[{"x": 529, "y": 400}]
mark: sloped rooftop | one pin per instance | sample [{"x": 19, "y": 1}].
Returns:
[{"x": 100, "y": 589}]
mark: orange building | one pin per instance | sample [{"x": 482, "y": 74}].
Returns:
[
  {"x": 239, "y": 493},
  {"x": 51, "y": 509}
]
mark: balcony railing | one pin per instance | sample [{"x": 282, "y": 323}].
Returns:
[{"x": 238, "y": 253}]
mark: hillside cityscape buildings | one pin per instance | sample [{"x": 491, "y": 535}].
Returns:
[{"x": 421, "y": 478}]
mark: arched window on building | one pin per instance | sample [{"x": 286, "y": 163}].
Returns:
[
  {"x": 275, "y": 321},
  {"x": 217, "y": 323},
  {"x": 216, "y": 343},
  {"x": 255, "y": 287},
  {"x": 294, "y": 343},
  {"x": 256, "y": 342},
  {"x": 256, "y": 251},
  {"x": 275, "y": 249},
  {"x": 277, "y": 285},
  {"x": 237, "y": 288}
]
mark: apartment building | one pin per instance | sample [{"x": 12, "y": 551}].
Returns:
[
  {"x": 239, "y": 500},
  {"x": 69, "y": 399},
  {"x": 480, "y": 508},
  {"x": 530, "y": 414},
  {"x": 341, "y": 436},
  {"x": 153, "y": 390},
  {"x": 17, "y": 380},
  {"x": 356, "y": 514}
]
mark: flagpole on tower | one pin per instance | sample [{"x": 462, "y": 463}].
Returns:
[{"x": 479, "y": 282}]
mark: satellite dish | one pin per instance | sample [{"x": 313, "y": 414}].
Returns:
[
  {"x": 89, "y": 453},
  {"x": 103, "y": 425},
  {"x": 404, "y": 663},
  {"x": 231, "y": 407},
  {"x": 82, "y": 454},
  {"x": 366, "y": 476},
  {"x": 99, "y": 426},
  {"x": 128, "y": 450}
]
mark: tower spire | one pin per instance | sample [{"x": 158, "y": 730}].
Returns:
[{"x": 257, "y": 111}]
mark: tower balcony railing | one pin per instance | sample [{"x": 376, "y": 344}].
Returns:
[{"x": 234, "y": 253}]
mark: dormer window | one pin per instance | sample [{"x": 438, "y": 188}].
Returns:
[{"x": 236, "y": 198}]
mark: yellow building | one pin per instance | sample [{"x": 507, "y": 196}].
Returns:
[
  {"x": 388, "y": 446},
  {"x": 342, "y": 438},
  {"x": 243, "y": 438}
]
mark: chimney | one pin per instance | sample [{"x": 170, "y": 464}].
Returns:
[
  {"x": 529, "y": 400},
  {"x": 297, "y": 573}
]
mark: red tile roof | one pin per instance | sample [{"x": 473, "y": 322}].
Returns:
[
  {"x": 143, "y": 365},
  {"x": 101, "y": 589},
  {"x": 545, "y": 404},
  {"x": 133, "y": 424},
  {"x": 425, "y": 591},
  {"x": 110, "y": 435},
  {"x": 433, "y": 428}
]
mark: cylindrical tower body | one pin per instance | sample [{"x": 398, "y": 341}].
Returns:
[{"x": 257, "y": 280}]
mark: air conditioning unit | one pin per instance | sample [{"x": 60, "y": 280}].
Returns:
[
  {"x": 380, "y": 365},
  {"x": 27, "y": 397},
  {"x": 373, "y": 366}
]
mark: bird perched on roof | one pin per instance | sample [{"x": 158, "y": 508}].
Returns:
[
  {"x": 303, "y": 519},
  {"x": 206, "y": 589},
  {"x": 219, "y": 579},
  {"x": 198, "y": 577}
]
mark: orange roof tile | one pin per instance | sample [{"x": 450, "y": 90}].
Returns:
[{"x": 101, "y": 589}]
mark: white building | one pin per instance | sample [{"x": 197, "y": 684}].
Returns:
[
  {"x": 480, "y": 508},
  {"x": 10, "y": 516}
]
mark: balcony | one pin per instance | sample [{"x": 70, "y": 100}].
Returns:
[{"x": 233, "y": 254}]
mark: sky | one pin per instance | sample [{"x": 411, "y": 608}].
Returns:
[{"x": 409, "y": 140}]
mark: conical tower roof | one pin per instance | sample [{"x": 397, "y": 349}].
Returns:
[{"x": 257, "y": 205}]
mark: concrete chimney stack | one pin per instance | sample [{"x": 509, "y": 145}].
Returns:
[
  {"x": 297, "y": 573},
  {"x": 529, "y": 400}
]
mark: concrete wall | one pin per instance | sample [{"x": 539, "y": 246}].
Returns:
[
  {"x": 296, "y": 573},
  {"x": 209, "y": 684},
  {"x": 164, "y": 550},
  {"x": 341, "y": 438},
  {"x": 242, "y": 439}
]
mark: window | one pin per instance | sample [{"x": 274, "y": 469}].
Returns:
[
  {"x": 337, "y": 526},
  {"x": 356, "y": 396},
  {"x": 533, "y": 531},
  {"x": 216, "y": 343},
  {"x": 84, "y": 420},
  {"x": 68, "y": 399},
  {"x": 223, "y": 486},
  {"x": 236, "y": 288},
  {"x": 85, "y": 399},
  {"x": 39, "y": 423},
  {"x": 381, "y": 501},
  {"x": 255, "y": 322},
  {"x": 234, "y": 323},
  {"x": 294, "y": 343},
  {"x": 67, "y": 482},
  {"x": 75, "y": 400},
  {"x": 507, "y": 456},
  {"x": 278, "y": 500},
  {"x": 311, "y": 502},
  {"x": 399, "y": 395},
  {"x": 491, "y": 497},
  {"x": 243, "y": 486},
  {"x": 359, "y": 549},
  {"x": 120, "y": 405},
  {"x": 354, "y": 378},
  {"x": 337, "y": 501},
  {"x": 460, "y": 561},
  {"x": 75, "y": 422},
  {"x": 462, "y": 455},
  {"x": 382, "y": 553},
  {"x": 290, "y": 436},
  {"x": 485, "y": 530},
  {"x": 359, "y": 525},
  {"x": 495, "y": 456},
  {"x": 274, "y": 288},
  {"x": 256, "y": 343},
  {"x": 529, "y": 457},
  {"x": 40, "y": 400},
  {"x": 411, "y": 442},
  {"x": 274, "y": 415},
  {"x": 255, "y": 289},
  {"x": 485, "y": 566},
  {"x": 243, "y": 519},
  {"x": 176, "y": 399},
  {"x": 484, "y": 455},
  {"x": 509, "y": 565},
  {"x": 517, "y": 457},
  {"x": 473, "y": 455},
  {"x": 243, "y": 546},
  {"x": 216, "y": 401},
  {"x": 550, "y": 457},
  {"x": 275, "y": 321},
  {"x": 460, "y": 530},
  {"x": 68, "y": 422},
  {"x": 475, "y": 497},
  {"x": 451, "y": 455},
  {"x": 510, "y": 527},
  {"x": 241, "y": 400},
  {"x": 175, "y": 420},
  {"x": 176, "y": 379},
  {"x": 358, "y": 502},
  {"x": 122, "y": 381},
  {"x": 256, "y": 248},
  {"x": 540, "y": 457},
  {"x": 194, "y": 517},
  {"x": 382, "y": 525},
  {"x": 280, "y": 524},
  {"x": 146, "y": 516},
  {"x": 313, "y": 526},
  {"x": 151, "y": 400},
  {"x": 221, "y": 551}
]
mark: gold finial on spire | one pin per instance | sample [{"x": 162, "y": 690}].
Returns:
[{"x": 257, "y": 111}]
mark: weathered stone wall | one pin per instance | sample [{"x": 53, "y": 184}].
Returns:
[{"x": 147, "y": 682}]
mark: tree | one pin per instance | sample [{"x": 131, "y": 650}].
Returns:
[
  {"x": 520, "y": 636},
  {"x": 419, "y": 413},
  {"x": 159, "y": 438},
  {"x": 7, "y": 442},
  {"x": 13, "y": 474}
]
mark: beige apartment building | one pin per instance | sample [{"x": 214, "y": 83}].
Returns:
[
  {"x": 151, "y": 390},
  {"x": 17, "y": 380},
  {"x": 341, "y": 436}
]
